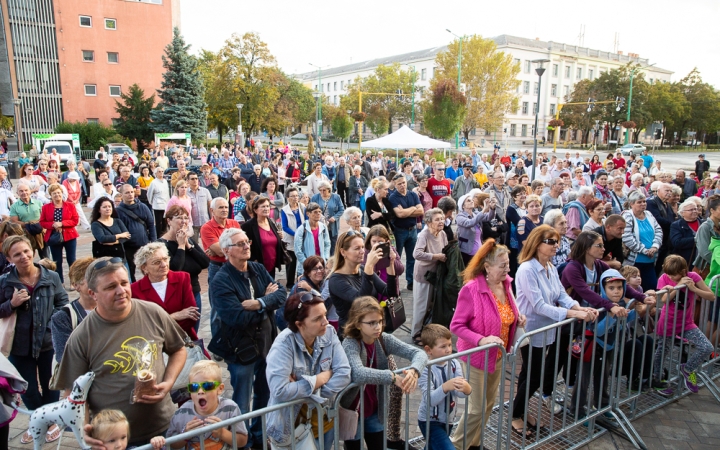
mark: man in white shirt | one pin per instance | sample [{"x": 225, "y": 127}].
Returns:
[
  {"x": 7, "y": 198},
  {"x": 100, "y": 154}
]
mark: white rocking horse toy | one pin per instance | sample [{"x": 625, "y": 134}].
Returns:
[{"x": 68, "y": 412}]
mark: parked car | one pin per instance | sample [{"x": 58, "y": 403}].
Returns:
[{"x": 635, "y": 149}]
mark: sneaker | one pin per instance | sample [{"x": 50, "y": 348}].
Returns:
[
  {"x": 690, "y": 379},
  {"x": 658, "y": 384},
  {"x": 409, "y": 286},
  {"x": 552, "y": 406}
]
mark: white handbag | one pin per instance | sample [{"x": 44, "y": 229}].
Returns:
[
  {"x": 304, "y": 439},
  {"x": 7, "y": 333}
]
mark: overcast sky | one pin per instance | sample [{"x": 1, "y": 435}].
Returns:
[{"x": 676, "y": 35}]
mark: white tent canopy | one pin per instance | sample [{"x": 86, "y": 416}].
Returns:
[{"x": 405, "y": 138}]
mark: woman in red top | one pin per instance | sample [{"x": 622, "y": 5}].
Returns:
[
  {"x": 62, "y": 217},
  {"x": 266, "y": 245},
  {"x": 170, "y": 290},
  {"x": 595, "y": 165}
]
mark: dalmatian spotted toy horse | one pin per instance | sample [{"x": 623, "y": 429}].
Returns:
[{"x": 68, "y": 412}]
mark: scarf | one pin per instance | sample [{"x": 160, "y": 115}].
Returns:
[{"x": 604, "y": 192}]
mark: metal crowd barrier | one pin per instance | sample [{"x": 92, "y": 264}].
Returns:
[
  {"x": 624, "y": 374},
  {"x": 449, "y": 426},
  {"x": 262, "y": 413}
]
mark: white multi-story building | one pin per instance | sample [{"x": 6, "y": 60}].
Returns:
[{"x": 567, "y": 65}]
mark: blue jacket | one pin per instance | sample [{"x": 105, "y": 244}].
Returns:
[
  {"x": 231, "y": 287},
  {"x": 289, "y": 357},
  {"x": 139, "y": 234},
  {"x": 332, "y": 208},
  {"x": 305, "y": 244},
  {"x": 329, "y": 172},
  {"x": 48, "y": 297}
]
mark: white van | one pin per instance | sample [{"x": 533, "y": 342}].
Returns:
[{"x": 64, "y": 149}]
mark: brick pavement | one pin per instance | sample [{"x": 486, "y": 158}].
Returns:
[{"x": 692, "y": 422}]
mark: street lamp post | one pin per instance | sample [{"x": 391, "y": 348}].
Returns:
[
  {"x": 206, "y": 129},
  {"x": 629, "y": 102},
  {"x": 539, "y": 71},
  {"x": 412, "y": 114},
  {"x": 18, "y": 126},
  {"x": 318, "y": 114},
  {"x": 239, "y": 107},
  {"x": 460, "y": 38}
]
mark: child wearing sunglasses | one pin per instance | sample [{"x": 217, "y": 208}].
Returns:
[{"x": 207, "y": 407}]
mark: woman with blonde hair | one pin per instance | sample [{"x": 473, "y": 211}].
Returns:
[
  {"x": 531, "y": 219},
  {"x": 542, "y": 298},
  {"x": 486, "y": 313}
]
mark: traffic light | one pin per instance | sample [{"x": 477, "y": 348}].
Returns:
[
  {"x": 504, "y": 130},
  {"x": 620, "y": 101},
  {"x": 658, "y": 133},
  {"x": 591, "y": 104}
]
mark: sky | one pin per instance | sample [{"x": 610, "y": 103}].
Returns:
[{"x": 677, "y": 36}]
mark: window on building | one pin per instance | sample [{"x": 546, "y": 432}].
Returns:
[
  {"x": 526, "y": 87},
  {"x": 591, "y": 74},
  {"x": 328, "y": 88},
  {"x": 513, "y": 129},
  {"x": 110, "y": 24},
  {"x": 552, "y": 109},
  {"x": 115, "y": 121},
  {"x": 579, "y": 73},
  {"x": 567, "y": 72},
  {"x": 433, "y": 73},
  {"x": 113, "y": 57},
  {"x": 472, "y": 132},
  {"x": 535, "y": 89},
  {"x": 652, "y": 80},
  {"x": 523, "y": 131},
  {"x": 535, "y": 110},
  {"x": 342, "y": 85},
  {"x": 556, "y": 69},
  {"x": 315, "y": 88},
  {"x": 566, "y": 90},
  {"x": 115, "y": 91},
  {"x": 553, "y": 90},
  {"x": 95, "y": 121},
  {"x": 88, "y": 55},
  {"x": 335, "y": 102},
  {"x": 525, "y": 106},
  {"x": 91, "y": 89},
  {"x": 527, "y": 66},
  {"x": 334, "y": 85},
  {"x": 423, "y": 74},
  {"x": 86, "y": 21}
]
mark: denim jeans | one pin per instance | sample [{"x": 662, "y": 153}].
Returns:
[
  {"x": 213, "y": 269},
  {"x": 198, "y": 302},
  {"x": 372, "y": 425},
  {"x": 57, "y": 251},
  {"x": 250, "y": 381},
  {"x": 439, "y": 439},
  {"x": 406, "y": 239},
  {"x": 31, "y": 370}
]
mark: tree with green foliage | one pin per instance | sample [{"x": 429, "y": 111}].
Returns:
[
  {"x": 92, "y": 135},
  {"x": 182, "y": 95},
  {"x": 445, "y": 111},
  {"x": 222, "y": 112},
  {"x": 666, "y": 103},
  {"x": 616, "y": 83},
  {"x": 134, "y": 116},
  {"x": 383, "y": 109},
  {"x": 703, "y": 99},
  {"x": 342, "y": 126},
  {"x": 490, "y": 78},
  {"x": 576, "y": 116}
]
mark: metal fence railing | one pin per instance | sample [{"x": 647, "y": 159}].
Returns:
[{"x": 580, "y": 381}]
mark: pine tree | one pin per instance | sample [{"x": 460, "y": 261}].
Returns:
[
  {"x": 182, "y": 105},
  {"x": 134, "y": 120}
]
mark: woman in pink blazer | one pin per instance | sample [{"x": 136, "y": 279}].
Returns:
[
  {"x": 485, "y": 314},
  {"x": 170, "y": 290}
]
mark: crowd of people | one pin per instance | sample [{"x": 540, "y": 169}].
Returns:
[{"x": 303, "y": 253}]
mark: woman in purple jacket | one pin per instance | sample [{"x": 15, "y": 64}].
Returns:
[{"x": 485, "y": 314}]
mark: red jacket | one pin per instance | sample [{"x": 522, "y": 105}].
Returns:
[
  {"x": 70, "y": 220},
  {"x": 178, "y": 296}
]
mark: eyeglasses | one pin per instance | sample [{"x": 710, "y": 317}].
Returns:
[
  {"x": 306, "y": 297},
  {"x": 374, "y": 323},
  {"x": 206, "y": 386},
  {"x": 318, "y": 269},
  {"x": 550, "y": 241},
  {"x": 599, "y": 245},
  {"x": 105, "y": 263},
  {"x": 241, "y": 244},
  {"x": 107, "y": 184}
]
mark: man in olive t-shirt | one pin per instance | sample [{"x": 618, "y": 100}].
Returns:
[{"x": 118, "y": 339}]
